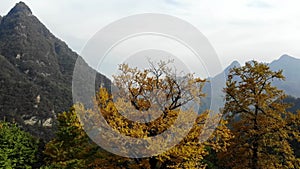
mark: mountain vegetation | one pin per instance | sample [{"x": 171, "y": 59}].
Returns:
[{"x": 36, "y": 72}]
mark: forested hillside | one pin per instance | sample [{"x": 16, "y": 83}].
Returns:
[{"x": 36, "y": 72}]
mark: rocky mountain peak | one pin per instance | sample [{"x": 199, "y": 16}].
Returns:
[
  {"x": 286, "y": 61},
  {"x": 235, "y": 63},
  {"x": 28, "y": 44},
  {"x": 20, "y": 8},
  {"x": 35, "y": 65},
  {"x": 20, "y": 21},
  {"x": 232, "y": 65}
]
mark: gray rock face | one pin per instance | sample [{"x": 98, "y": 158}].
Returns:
[
  {"x": 32, "y": 121},
  {"x": 21, "y": 8},
  {"x": 48, "y": 123}
]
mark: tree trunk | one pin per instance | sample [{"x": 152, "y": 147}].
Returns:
[
  {"x": 255, "y": 155},
  {"x": 255, "y": 142},
  {"x": 154, "y": 163}
]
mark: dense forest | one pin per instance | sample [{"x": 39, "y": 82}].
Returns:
[{"x": 258, "y": 127}]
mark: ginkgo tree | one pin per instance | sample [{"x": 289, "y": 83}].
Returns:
[
  {"x": 257, "y": 116},
  {"x": 72, "y": 148},
  {"x": 146, "y": 103}
]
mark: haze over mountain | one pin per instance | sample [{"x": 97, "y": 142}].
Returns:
[{"x": 36, "y": 72}]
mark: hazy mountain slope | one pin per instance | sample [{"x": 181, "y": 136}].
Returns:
[
  {"x": 291, "y": 85},
  {"x": 218, "y": 95},
  {"x": 291, "y": 70}
]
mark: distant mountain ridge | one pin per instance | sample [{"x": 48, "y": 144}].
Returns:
[
  {"x": 291, "y": 84},
  {"x": 291, "y": 70},
  {"x": 290, "y": 67},
  {"x": 36, "y": 72}
]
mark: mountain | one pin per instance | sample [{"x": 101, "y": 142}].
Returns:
[
  {"x": 36, "y": 72},
  {"x": 290, "y": 67},
  {"x": 294, "y": 103},
  {"x": 290, "y": 85},
  {"x": 214, "y": 90}
]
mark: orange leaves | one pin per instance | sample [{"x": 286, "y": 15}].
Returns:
[
  {"x": 145, "y": 104},
  {"x": 148, "y": 102}
]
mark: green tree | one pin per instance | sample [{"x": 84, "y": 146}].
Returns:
[
  {"x": 258, "y": 119},
  {"x": 18, "y": 149},
  {"x": 70, "y": 147}
]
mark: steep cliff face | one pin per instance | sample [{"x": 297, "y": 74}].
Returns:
[{"x": 36, "y": 72}]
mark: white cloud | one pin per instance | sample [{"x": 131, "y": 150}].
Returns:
[{"x": 259, "y": 4}]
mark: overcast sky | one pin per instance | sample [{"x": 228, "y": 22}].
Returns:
[{"x": 238, "y": 29}]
